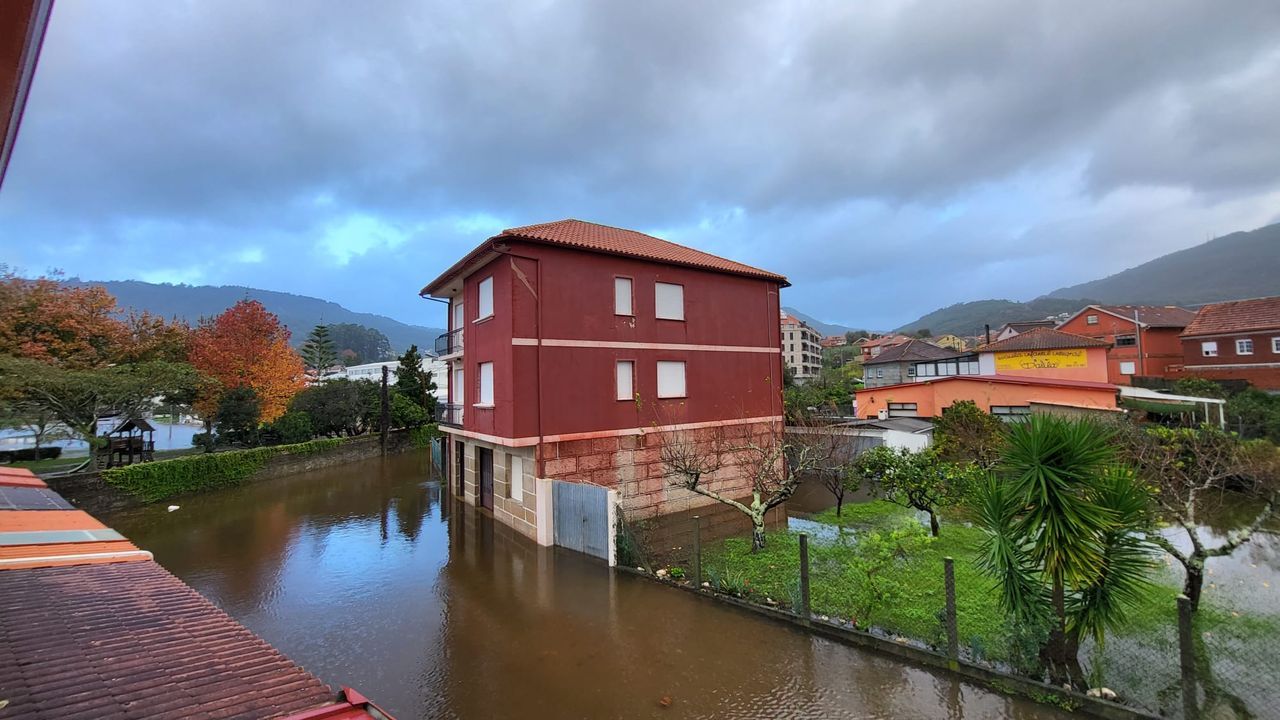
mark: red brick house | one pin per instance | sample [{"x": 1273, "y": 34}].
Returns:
[
  {"x": 1147, "y": 346},
  {"x": 573, "y": 347},
  {"x": 1238, "y": 340}
]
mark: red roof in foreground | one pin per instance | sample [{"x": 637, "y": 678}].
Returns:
[
  {"x": 129, "y": 640},
  {"x": 614, "y": 241},
  {"x": 1043, "y": 338},
  {"x": 1236, "y": 317}
]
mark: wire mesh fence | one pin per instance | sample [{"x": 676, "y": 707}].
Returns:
[{"x": 890, "y": 578}]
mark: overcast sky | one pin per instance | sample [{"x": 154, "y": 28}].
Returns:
[{"x": 888, "y": 157}]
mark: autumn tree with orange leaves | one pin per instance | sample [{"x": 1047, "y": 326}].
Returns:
[
  {"x": 245, "y": 346},
  {"x": 80, "y": 327}
]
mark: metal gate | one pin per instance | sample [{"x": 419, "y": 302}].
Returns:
[{"x": 582, "y": 518}]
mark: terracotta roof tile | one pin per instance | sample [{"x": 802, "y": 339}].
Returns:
[
  {"x": 1043, "y": 338},
  {"x": 130, "y": 640},
  {"x": 1236, "y": 317},
  {"x": 912, "y": 350},
  {"x": 614, "y": 241}
]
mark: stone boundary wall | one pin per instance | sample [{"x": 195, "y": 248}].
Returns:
[
  {"x": 632, "y": 465},
  {"x": 89, "y": 492}
]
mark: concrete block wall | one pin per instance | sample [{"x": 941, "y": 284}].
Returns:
[
  {"x": 632, "y": 465},
  {"x": 519, "y": 513}
]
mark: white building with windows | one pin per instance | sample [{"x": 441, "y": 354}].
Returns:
[{"x": 801, "y": 348}]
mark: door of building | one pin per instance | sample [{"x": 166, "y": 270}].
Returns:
[
  {"x": 460, "y": 466},
  {"x": 484, "y": 459}
]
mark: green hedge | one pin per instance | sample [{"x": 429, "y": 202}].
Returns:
[{"x": 155, "y": 481}]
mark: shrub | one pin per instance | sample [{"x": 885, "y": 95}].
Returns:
[
  {"x": 290, "y": 428},
  {"x": 155, "y": 481}
]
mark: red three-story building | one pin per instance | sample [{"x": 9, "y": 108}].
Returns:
[{"x": 574, "y": 348}]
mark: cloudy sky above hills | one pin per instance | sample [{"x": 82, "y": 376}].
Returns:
[{"x": 889, "y": 157}]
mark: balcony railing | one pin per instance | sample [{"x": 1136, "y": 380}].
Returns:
[
  {"x": 449, "y": 343},
  {"x": 449, "y": 414}
]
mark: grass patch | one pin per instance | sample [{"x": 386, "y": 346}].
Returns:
[
  {"x": 66, "y": 463},
  {"x": 913, "y": 607}
]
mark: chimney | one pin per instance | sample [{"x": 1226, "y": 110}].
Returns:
[{"x": 988, "y": 327}]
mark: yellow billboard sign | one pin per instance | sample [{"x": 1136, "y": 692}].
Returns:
[{"x": 1041, "y": 359}]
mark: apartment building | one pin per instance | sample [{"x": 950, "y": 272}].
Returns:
[
  {"x": 574, "y": 349},
  {"x": 801, "y": 348}
]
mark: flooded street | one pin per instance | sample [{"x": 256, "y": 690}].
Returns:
[{"x": 368, "y": 576}]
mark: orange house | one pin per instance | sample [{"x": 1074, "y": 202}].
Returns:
[
  {"x": 1145, "y": 339},
  {"x": 1042, "y": 370}
]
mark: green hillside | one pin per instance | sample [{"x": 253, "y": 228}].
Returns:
[
  {"x": 299, "y": 312},
  {"x": 1232, "y": 267},
  {"x": 969, "y": 318}
]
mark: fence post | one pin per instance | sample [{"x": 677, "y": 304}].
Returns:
[
  {"x": 953, "y": 632},
  {"x": 1187, "y": 658},
  {"x": 697, "y": 552},
  {"x": 806, "y": 611}
]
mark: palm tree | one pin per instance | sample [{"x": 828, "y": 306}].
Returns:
[{"x": 1062, "y": 518}]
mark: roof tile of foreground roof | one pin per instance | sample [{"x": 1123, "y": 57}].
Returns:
[
  {"x": 91, "y": 627},
  {"x": 130, "y": 640},
  {"x": 1236, "y": 316},
  {"x": 614, "y": 241},
  {"x": 1043, "y": 338}
]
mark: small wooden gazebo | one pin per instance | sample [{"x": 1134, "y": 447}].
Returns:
[{"x": 131, "y": 441}]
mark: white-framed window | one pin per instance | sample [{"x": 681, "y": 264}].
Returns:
[
  {"x": 903, "y": 410},
  {"x": 1209, "y": 348},
  {"x": 671, "y": 382},
  {"x": 668, "y": 301},
  {"x": 485, "y": 305},
  {"x": 622, "y": 304},
  {"x": 1011, "y": 413},
  {"x": 1275, "y": 345},
  {"x": 486, "y": 384},
  {"x": 1128, "y": 368},
  {"x": 515, "y": 481},
  {"x": 458, "y": 316},
  {"x": 1091, "y": 319},
  {"x": 624, "y": 382},
  {"x": 459, "y": 388},
  {"x": 879, "y": 372},
  {"x": 1244, "y": 347}
]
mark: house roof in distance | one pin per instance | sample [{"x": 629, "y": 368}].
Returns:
[
  {"x": 1155, "y": 316},
  {"x": 912, "y": 351},
  {"x": 1022, "y": 326},
  {"x": 1043, "y": 338},
  {"x": 1235, "y": 317},
  {"x": 593, "y": 237}
]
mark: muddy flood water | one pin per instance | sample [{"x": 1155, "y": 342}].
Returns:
[{"x": 369, "y": 576}]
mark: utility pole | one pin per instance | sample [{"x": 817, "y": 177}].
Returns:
[
  {"x": 1137, "y": 334},
  {"x": 386, "y": 409}
]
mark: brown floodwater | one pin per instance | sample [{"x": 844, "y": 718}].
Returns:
[{"x": 369, "y": 576}]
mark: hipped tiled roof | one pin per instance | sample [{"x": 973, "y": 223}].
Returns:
[
  {"x": 911, "y": 351},
  {"x": 1043, "y": 338},
  {"x": 1236, "y": 316},
  {"x": 593, "y": 237}
]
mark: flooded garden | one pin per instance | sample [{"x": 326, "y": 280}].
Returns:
[{"x": 369, "y": 575}]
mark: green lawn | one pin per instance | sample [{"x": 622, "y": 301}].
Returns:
[
  {"x": 66, "y": 463},
  {"x": 1142, "y": 660}
]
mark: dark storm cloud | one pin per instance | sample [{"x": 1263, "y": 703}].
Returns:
[{"x": 997, "y": 149}]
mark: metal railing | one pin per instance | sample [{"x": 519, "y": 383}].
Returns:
[
  {"x": 449, "y": 343},
  {"x": 449, "y": 414}
]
